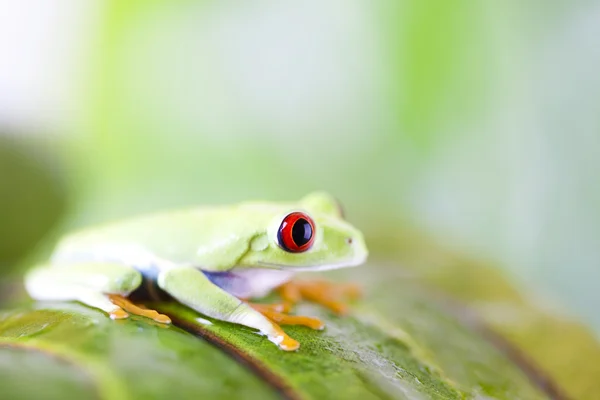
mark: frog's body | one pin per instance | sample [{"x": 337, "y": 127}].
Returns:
[{"x": 203, "y": 257}]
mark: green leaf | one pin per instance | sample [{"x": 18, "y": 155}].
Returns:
[
  {"x": 400, "y": 342},
  {"x": 71, "y": 351}
]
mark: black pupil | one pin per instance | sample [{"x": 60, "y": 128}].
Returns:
[{"x": 301, "y": 232}]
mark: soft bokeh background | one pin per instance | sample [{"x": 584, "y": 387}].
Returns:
[{"x": 477, "y": 124}]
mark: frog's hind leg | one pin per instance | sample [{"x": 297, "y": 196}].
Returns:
[{"x": 99, "y": 285}]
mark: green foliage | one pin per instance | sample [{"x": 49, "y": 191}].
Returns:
[{"x": 31, "y": 200}]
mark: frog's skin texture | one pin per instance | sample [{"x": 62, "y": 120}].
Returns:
[{"x": 206, "y": 258}]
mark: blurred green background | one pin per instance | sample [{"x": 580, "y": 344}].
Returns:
[{"x": 475, "y": 123}]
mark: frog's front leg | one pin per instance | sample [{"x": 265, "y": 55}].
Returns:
[
  {"x": 100, "y": 285},
  {"x": 192, "y": 288},
  {"x": 328, "y": 294}
]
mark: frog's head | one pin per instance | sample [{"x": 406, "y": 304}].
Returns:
[{"x": 311, "y": 235}]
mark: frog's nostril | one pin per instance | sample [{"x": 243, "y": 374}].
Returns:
[{"x": 349, "y": 240}]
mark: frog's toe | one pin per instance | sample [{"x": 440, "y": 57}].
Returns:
[
  {"x": 128, "y": 306},
  {"x": 278, "y": 307},
  {"x": 282, "y": 340},
  {"x": 286, "y": 319},
  {"x": 289, "y": 344},
  {"x": 119, "y": 313}
]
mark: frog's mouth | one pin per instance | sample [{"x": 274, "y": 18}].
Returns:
[{"x": 314, "y": 267}]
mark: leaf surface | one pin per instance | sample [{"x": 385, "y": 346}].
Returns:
[{"x": 400, "y": 342}]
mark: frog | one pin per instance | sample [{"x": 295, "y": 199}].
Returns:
[{"x": 212, "y": 259}]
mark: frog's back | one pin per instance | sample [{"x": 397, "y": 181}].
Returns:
[{"x": 167, "y": 237}]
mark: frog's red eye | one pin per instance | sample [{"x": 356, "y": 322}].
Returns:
[{"x": 296, "y": 232}]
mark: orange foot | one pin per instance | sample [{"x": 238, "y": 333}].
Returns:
[
  {"x": 278, "y": 314},
  {"x": 327, "y": 294},
  {"x": 128, "y": 306},
  {"x": 283, "y": 340}
]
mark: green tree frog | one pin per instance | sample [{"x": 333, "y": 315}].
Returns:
[{"x": 211, "y": 259}]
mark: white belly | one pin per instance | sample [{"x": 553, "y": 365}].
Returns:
[{"x": 248, "y": 283}]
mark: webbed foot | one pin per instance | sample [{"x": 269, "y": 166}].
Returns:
[
  {"x": 328, "y": 294},
  {"x": 128, "y": 307}
]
